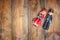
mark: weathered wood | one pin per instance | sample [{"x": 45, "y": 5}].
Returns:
[
  {"x": 0, "y": 19},
  {"x": 32, "y": 13},
  {"x": 25, "y": 20},
  {"x": 6, "y": 19},
  {"x": 17, "y": 19}
]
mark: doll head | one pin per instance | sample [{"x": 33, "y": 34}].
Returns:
[
  {"x": 51, "y": 11},
  {"x": 44, "y": 11}
]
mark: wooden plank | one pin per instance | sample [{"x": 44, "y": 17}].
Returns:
[
  {"x": 17, "y": 19},
  {"x": 32, "y": 9},
  {"x": 6, "y": 19},
  {"x": 25, "y": 20},
  {"x": 12, "y": 30},
  {"x": 0, "y": 19}
]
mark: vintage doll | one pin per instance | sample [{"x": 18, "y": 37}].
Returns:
[
  {"x": 41, "y": 15},
  {"x": 48, "y": 19}
]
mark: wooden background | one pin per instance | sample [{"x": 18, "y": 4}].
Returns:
[{"x": 16, "y": 20}]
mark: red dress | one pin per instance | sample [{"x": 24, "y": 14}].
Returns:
[{"x": 38, "y": 21}]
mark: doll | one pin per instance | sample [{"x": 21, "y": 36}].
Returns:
[
  {"x": 48, "y": 19},
  {"x": 41, "y": 15}
]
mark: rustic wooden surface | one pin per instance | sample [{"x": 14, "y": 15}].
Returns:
[
  {"x": 6, "y": 19},
  {"x": 0, "y": 19},
  {"x": 16, "y": 20}
]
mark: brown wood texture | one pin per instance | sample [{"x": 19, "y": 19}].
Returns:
[
  {"x": 16, "y": 20},
  {"x": 6, "y": 19},
  {"x": 0, "y": 19}
]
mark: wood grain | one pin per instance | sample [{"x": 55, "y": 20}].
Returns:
[
  {"x": 16, "y": 20},
  {"x": 6, "y": 19}
]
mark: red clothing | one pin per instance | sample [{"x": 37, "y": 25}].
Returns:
[
  {"x": 38, "y": 21},
  {"x": 41, "y": 15}
]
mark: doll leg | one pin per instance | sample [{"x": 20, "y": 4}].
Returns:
[{"x": 46, "y": 26}]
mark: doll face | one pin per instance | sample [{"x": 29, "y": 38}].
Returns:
[
  {"x": 43, "y": 12},
  {"x": 50, "y": 13}
]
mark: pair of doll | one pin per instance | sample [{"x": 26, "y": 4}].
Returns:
[{"x": 43, "y": 14}]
